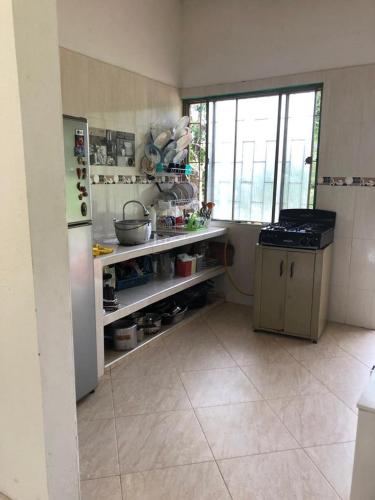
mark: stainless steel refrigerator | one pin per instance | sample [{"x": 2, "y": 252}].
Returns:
[{"x": 78, "y": 213}]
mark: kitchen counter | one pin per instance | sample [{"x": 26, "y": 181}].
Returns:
[
  {"x": 133, "y": 299},
  {"x": 367, "y": 399},
  {"x": 363, "y": 481},
  {"x": 163, "y": 244}
]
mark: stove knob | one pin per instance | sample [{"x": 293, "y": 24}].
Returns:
[{"x": 304, "y": 242}]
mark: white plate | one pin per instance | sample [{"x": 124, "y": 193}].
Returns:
[
  {"x": 169, "y": 156},
  {"x": 163, "y": 139},
  {"x": 152, "y": 153},
  {"x": 182, "y": 122},
  {"x": 180, "y": 132},
  {"x": 184, "y": 141},
  {"x": 180, "y": 156},
  {"x": 188, "y": 187},
  {"x": 171, "y": 145}
]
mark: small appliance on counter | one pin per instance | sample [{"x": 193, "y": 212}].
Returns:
[
  {"x": 300, "y": 228},
  {"x": 292, "y": 273},
  {"x": 78, "y": 212}
]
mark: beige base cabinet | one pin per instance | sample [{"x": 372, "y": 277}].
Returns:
[{"x": 291, "y": 290}]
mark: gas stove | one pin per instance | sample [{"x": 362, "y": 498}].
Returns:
[{"x": 300, "y": 228}]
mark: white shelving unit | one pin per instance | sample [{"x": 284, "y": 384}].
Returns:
[{"x": 133, "y": 299}]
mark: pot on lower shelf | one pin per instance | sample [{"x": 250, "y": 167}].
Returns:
[
  {"x": 150, "y": 323},
  {"x": 124, "y": 334}
]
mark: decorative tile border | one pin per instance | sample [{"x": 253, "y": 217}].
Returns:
[
  {"x": 131, "y": 179},
  {"x": 346, "y": 181}
]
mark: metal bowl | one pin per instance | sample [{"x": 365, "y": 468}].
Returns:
[{"x": 133, "y": 231}]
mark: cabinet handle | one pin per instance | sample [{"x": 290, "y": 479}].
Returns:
[
  {"x": 281, "y": 267},
  {"x": 292, "y": 269}
]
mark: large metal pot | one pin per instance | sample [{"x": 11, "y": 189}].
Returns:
[
  {"x": 124, "y": 334},
  {"x": 133, "y": 231}
]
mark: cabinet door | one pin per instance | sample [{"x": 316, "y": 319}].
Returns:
[
  {"x": 274, "y": 268},
  {"x": 299, "y": 293}
]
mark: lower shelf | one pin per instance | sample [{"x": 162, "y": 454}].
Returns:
[
  {"x": 133, "y": 299},
  {"x": 111, "y": 357}
]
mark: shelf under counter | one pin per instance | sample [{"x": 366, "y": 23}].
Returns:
[
  {"x": 133, "y": 299},
  {"x": 112, "y": 357}
]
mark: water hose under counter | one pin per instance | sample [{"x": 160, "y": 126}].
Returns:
[{"x": 231, "y": 279}]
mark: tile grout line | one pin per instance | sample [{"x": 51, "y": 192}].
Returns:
[
  {"x": 264, "y": 399},
  {"x": 236, "y": 365},
  {"x": 166, "y": 467},
  {"x": 116, "y": 435},
  {"x": 165, "y": 347},
  {"x": 205, "y": 437},
  {"x": 321, "y": 381},
  {"x": 326, "y": 386},
  {"x": 320, "y": 471}
]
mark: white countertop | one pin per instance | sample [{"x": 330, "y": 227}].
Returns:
[
  {"x": 367, "y": 399},
  {"x": 123, "y": 253}
]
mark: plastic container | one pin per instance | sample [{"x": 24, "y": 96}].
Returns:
[
  {"x": 152, "y": 211},
  {"x": 124, "y": 334},
  {"x": 166, "y": 265},
  {"x": 184, "y": 267}
]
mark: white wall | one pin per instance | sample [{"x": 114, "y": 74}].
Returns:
[
  {"x": 143, "y": 36},
  {"x": 347, "y": 149},
  {"x": 22, "y": 454},
  {"x": 234, "y": 40},
  {"x": 118, "y": 99},
  {"x": 38, "y": 451}
]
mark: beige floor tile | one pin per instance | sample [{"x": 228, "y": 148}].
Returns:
[
  {"x": 99, "y": 404},
  {"x": 197, "y": 328},
  {"x": 335, "y": 461},
  {"x": 218, "y": 387},
  {"x": 358, "y": 342},
  {"x": 345, "y": 376},
  {"x": 229, "y": 317},
  {"x": 283, "y": 379},
  {"x": 285, "y": 475},
  {"x": 302, "y": 349},
  {"x": 243, "y": 429},
  {"x": 148, "y": 394},
  {"x": 106, "y": 488},
  {"x": 317, "y": 419},
  {"x": 97, "y": 448},
  {"x": 196, "y": 348},
  {"x": 252, "y": 348},
  {"x": 188, "y": 482},
  {"x": 150, "y": 361},
  {"x": 160, "y": 440}
]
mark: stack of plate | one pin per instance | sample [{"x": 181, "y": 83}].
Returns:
[{"x": 185, "y": 191}]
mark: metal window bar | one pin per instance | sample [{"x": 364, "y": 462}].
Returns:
[
  {"x": 281, "y": 93},
  {"x": 234, "y": 160}
]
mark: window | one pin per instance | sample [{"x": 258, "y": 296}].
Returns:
[{"x": 255, "y": 154}]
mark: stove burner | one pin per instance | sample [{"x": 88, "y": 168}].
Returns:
[{"x": 300, "y": 228}]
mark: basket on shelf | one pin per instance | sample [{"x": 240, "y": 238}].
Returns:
[{"x": 134, "y": 273}]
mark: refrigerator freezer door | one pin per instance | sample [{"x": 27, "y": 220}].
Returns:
[
  {"x": 77, "y": 171},
  {"x": 83, "y": 308}
]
